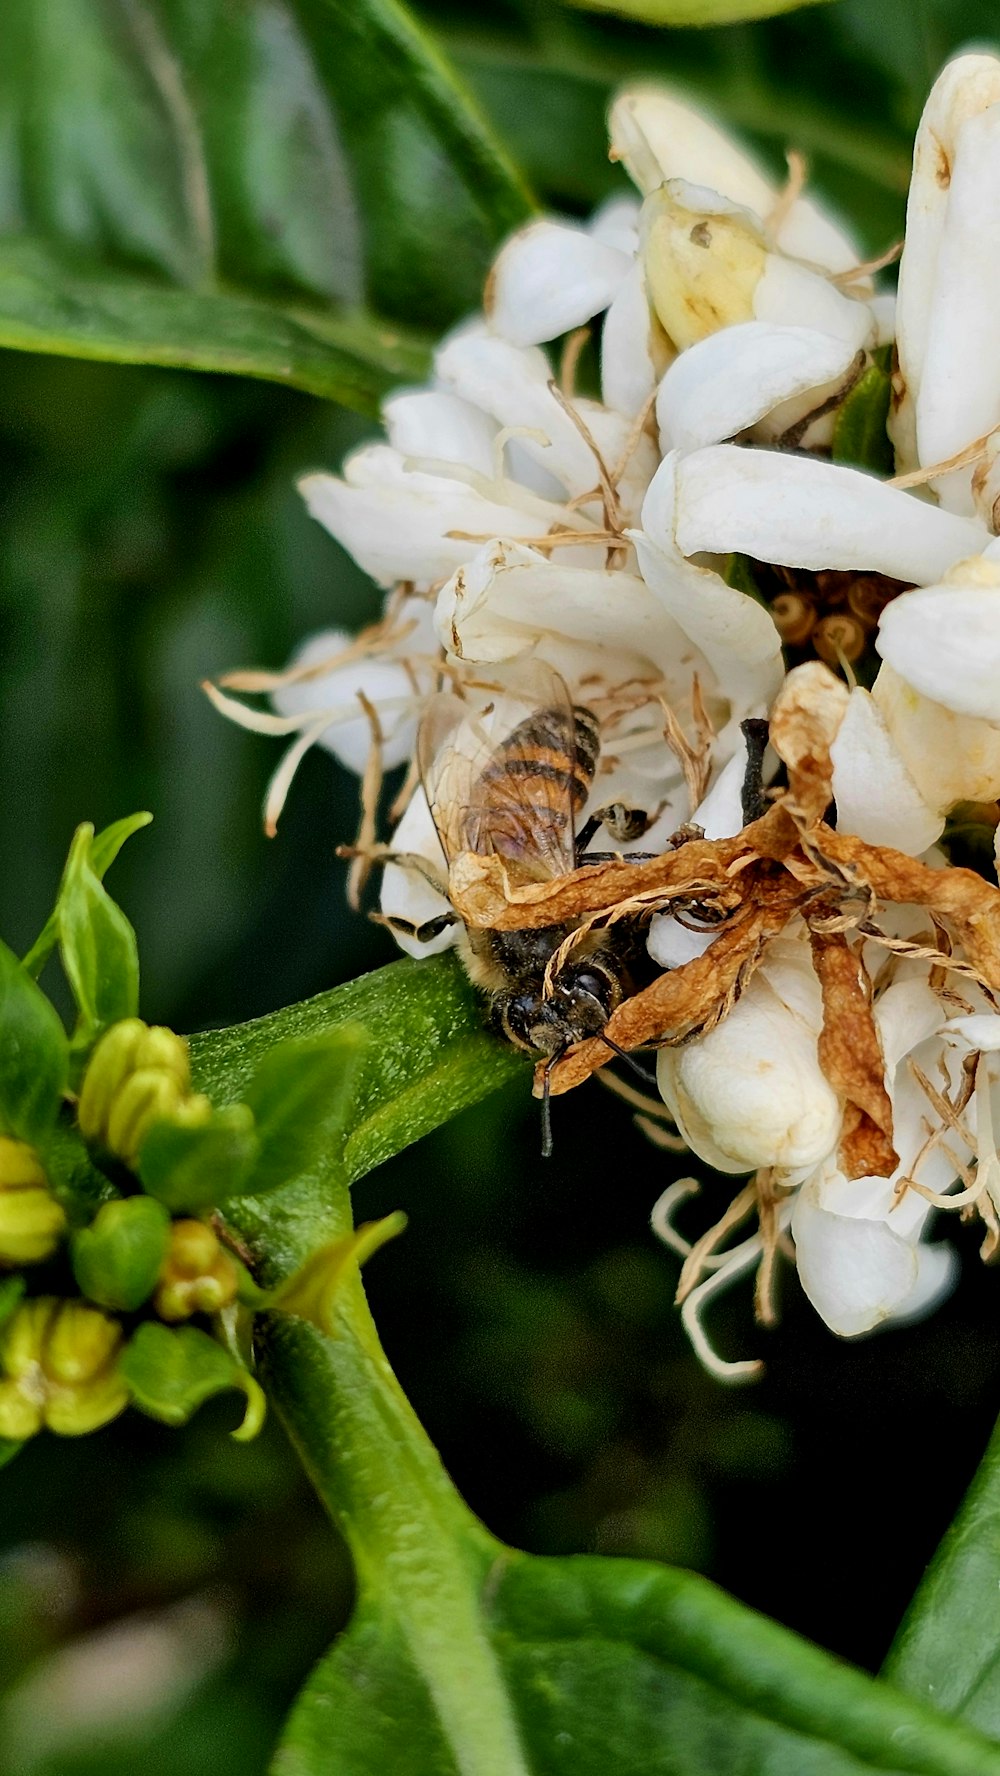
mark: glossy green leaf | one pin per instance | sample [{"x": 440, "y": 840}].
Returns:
[
  {"x": 50, "y": 301},
  {"x": 694, "y": 12},
  {"x": 268, "y": 188},
  {"x": 118, "y": 1258},
  {"x": 97, "y": 946},
  {"x": 103, "y": 851},
  {"x": 196, "y": 1168},
  {"x": 860, "y": 438},
  {"x": 465, "y": 1659},
  {"x": 170, "y": 1372},
  {"x": 34, "y": 1055},
  {"x": 947, "y": 1650},
  {"x": 429, "y": 1057},
  {"x": 300, "y": 1097}
]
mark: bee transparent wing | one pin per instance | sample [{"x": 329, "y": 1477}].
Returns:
[{"x": 506, "y": 776}]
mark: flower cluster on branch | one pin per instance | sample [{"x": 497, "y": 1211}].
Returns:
[{"x": 690, "y": 459}]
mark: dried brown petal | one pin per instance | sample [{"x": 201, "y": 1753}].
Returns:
[{"x": 851, "y": 1058}]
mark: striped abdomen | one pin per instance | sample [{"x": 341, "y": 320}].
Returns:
[{"x": 537, "y": 781}]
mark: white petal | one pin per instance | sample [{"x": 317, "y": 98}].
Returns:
[
  {"x": 662, "y": 137},
  {"x": 791, "y": 295},
  {"x": 959, "y": 398},
  {"x": 395, "y": 520},
  {"x": 937, "y": 1273},
  {"x": 731, "y": 379},
  {"x": 431, "y": 423},
  {"x": 628, "y": 368},
  {"x": 507, "y": 597},
  {"x": 875, "y": 795},
  {"x": 671, "y": 944},
  {"x": 751, "y": 1093},
  {"x": 951, "y": 758},
  {"x": 720, "y": 813},
  {"x": 802, "y": 512},
  {"x": 384, "y": 682},
  {"x": 981, "y": 1031},
  {"x": 549, "y": 278},
  {"x": 944, "y": 640},
  {"x": 967, "y": 86},
  {"x": 615, "y": 222},
  {"x": 733, "y": 631},
  {"x": 406, "y": 894},
  {"x": 513, "y": 384},
  {"x": 856, "y": 1273}
]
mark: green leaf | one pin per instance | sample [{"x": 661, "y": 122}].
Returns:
[
  {"x": 50, "y": 301},
  {"x": 97, "y": 946},
  {"x": 11, "y": 1294},
  {"x": 118, "y": 1258},
  {"x": 429, "y": 1057},
  {"x": 34, "y": 1055},
  {"x": 198, "y": 1168},
  {"x": 300, "y": 1097},
  {"x": 103, "y": 851},
  {"x": 693, "y": 12},
  {"x": 860, "y": 438},
  {"x": 268, "y": 188},
  {"x": 947, "y": 1650},
  {"x": 623, "y": 1666},
  {"x": 170, "y": 1373},
  {"x": 465, "y": 1659}
]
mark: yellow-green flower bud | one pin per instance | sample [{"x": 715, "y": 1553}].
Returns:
[
  {"x": 60, "y": 1362},
  {"x": 198, "y": 1275},
  {"x": 702, "y": 269},
  {"x": 137, "y": 1075},
  {"x": 31, "y": 1221}
]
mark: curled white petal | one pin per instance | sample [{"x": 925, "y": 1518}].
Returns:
[
  {"x": 944, "y": 640},
  {"x": 502, "y": 601},
  {"x": 406, "y": 893},
  {"x": 875, "y": 794},
  {"x": 513, "y": 384},
  {"x": 802, "y": 512},
  {"x": 951, "y": 758},
  {"x": 732, "y": 378},
  {"x": 348, "y": 735},
  {"x": 660, "y": 136},
  {"x": 431, "y": 423},
  {"x": 791, "y": 295},
  {"x": 628, "y": 365},
  {"x": 734, "y": 632},
  {"x": 396, "y": 520},
  {"x": 856, "y": 1272},
  {"x": 751, "y": 1092},
  {"x": 549, "y": 278}
]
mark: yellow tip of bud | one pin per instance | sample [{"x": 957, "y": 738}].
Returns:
[
  {"x": 198, "y": 1275},
  {"x": 701, "y": 269},
  {"x": 60, "y": 1362}
]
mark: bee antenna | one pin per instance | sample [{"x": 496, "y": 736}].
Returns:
[
  {"x": 547, "y": 1105},
  {"x": 630, "y": 1060}
]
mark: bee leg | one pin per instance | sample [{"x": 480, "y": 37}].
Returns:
[
  {"x": 622, "y": 822},
  {"x": 424, "y": 933}
]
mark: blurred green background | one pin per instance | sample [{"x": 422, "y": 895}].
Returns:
[{"x": 150, "y": 535}]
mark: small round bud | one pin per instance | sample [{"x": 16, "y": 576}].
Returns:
[
  {"x": 794, "y": 618},
  {"x": 137, "y": 1075},
  {"x": 146, "y": 1097},
  {"x": 198, "y": 1275},
  {"x": 702, "y": 268},
  {"x": 59, "y": 1359},
  {"x": 118, "y": 1258},
  {"x": 868, "y": 596},
  {"x": 839, "y": 637},
  {"x": 31, "y": 1221}
]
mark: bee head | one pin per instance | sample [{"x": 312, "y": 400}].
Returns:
[{"x": 584, "y": 994}]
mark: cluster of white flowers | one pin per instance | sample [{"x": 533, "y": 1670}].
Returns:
[{"x": 509, "y": 515}]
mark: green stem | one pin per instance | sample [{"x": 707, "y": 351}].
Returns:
[{"x": 418, "y": 1551}]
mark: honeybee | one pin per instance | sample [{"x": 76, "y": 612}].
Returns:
[{"x": 512, "y": 783}]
